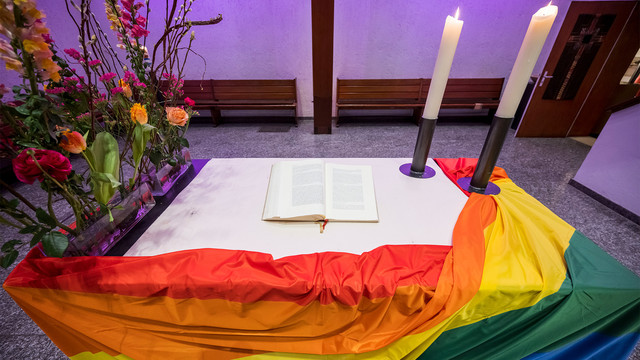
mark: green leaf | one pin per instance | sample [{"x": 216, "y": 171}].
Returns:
[
  {"x": 45, "y": 218},
  {"x": 37, "y": 237},
  {"x": 54, "y": 244},
  {"x": 16, "y": 89},
  {"x": 155, "y": 157},
  {"x": 106, "y": 178},
  {"x": 5, "y": 221},
  {"x": 141, "y": 136},
  {"x": 9, "y": 245},
  {"x": 171, "y": 162},
  {"x": 8, "y": 259},
  {"x": 184, "y": 142},
  {"x": 13, "y": 203},
  {"x": 106, "y": 157},
  {"x": 23, "y": 109},
  {"x": 28, "y": 144},
  {"x": 29, "y": 229},
  {"x": 148, "y": 127}
]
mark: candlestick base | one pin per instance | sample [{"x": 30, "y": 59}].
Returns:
[
  {"x": 428, "y": 172},
  {"x": 491, "y": 189}
]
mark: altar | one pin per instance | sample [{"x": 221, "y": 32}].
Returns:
[{"x": 442, "y": 275}]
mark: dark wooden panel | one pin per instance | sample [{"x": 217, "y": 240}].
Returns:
[
  {"x": 389, "y": 96},
  {"x": 244, "y": 82},
  {"x": 494, "y": 88},
  {"x": 253, "y": 96},
  {"x": 256, "y": 90},
  {"x": 376, "y": 82},
  {"x": 322, "y": 48},
  {"x": 469, "y": 94},
  {"x": 345, "y": 89},
  {"x": 475, "y": 81}
]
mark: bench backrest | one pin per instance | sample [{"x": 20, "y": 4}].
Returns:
[
  {"x": 198, "y": 90},
  {"x": 254, "y": 90},
  {"x": 380, "y": 90},
  {"x": 473, "y": 89},
  {"x": 194, "y": 89}
]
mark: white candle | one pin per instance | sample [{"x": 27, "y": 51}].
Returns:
[
  {"x": 448, "y": 44},
  {"x": 532, "y": 44}
]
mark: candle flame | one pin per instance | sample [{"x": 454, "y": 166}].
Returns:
[{"x": 457, "y": 12}]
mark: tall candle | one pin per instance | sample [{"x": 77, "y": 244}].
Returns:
[
  {"x": 448, "y": 44},
  {"x": 532, "y": 44}
]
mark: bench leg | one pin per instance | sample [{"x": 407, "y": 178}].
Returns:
[
  {"x": 215, "y": 115},
  {"x": 417, "y": 115}
]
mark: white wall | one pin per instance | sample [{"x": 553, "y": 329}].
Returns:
[{"x": 373, "y": 38}]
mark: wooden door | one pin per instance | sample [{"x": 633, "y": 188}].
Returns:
[{"x": 588, "y": 34}]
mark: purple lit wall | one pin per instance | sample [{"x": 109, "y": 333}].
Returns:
[
  {"x": 612, "y": 167},
  {"x": 373, "y": 39}
]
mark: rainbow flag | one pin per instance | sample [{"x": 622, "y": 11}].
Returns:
[{"x": 517, "y": 282}]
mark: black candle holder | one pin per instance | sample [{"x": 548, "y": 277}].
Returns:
[
  {"x": 418, "y": 167},
  {"x": 479, "y": 182}
]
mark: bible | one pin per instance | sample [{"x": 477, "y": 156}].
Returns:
[{"x": 312, "y": 190}]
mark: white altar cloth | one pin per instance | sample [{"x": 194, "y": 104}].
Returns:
[{"x": 222, "y": 208}]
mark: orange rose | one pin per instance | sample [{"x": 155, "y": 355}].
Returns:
[
  {"x": 138, "y": 114},
  {"x": 176, "y": 116},
  {"x": 73, "y": 142},
  {"x": 126, "y": 89}
]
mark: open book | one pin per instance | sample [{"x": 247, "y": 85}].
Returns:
[{"x": 312, "y": 190}]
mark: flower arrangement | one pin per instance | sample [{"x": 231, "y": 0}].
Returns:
[{"x": 111, "y": 113}]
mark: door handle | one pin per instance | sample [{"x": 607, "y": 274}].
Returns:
[{"x": 543, "y": 77}]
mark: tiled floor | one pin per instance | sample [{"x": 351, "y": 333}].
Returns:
[{"x": 541, "y": 166}]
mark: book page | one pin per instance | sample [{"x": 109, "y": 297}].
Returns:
[
  {"x": 299, "y": 190},
  {"x": 350, "y": 194}
]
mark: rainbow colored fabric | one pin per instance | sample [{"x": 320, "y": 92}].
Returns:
[{"x": 517, "y": 282}]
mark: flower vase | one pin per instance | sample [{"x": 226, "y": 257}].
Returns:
[
  {"x": 102, "y": 235},
  {"x": 162, "y": 180}
]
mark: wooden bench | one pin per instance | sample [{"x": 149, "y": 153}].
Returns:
[
  {"x": 480, "y": 93},
  {"x": 381, "y": 94},
  {"x": 217, "y": 95}
]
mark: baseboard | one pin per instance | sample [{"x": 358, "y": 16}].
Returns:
[{"x": 606, "y": 202}]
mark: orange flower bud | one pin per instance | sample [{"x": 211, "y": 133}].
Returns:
[
  {"x": 126, "y": 89},
  {"x": 138, "y": 114},
  {"x": 176, "y": 116},
  {"x": 73, "y": 142}
]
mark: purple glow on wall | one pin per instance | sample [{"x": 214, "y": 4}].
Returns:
[
  {"x": 612, "y": 167},
  {"x": 373, "y": 39}
]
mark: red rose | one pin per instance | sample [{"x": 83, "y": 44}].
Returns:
[
  {"x": 54, "y": 163},
  {"x": 189, "y": 102}
]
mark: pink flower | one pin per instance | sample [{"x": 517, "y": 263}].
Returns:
[
  {"x": 73, "y": 53},
  {"x": 116, "y": 90},
  {"x": 139, "y": 84},
  {"x": 47, "y": 38},
  {"x": 52, "y": 162},
  {"x": 141, "y": 20},
  {"x": 3, "y": 90},
  {"x": 95, "y": 62},
  {"x": 137, "y": 6},
  {"x": 165, "y": 75},
  {"x": 107, "y": 77},
  {"x": 57, "y": 90},
  {"x": 138, "y": 31},
  {"x": 189, "y": 102},
  {"x": 127, "y": 4},
  {"x": 129, "y": 76}
]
